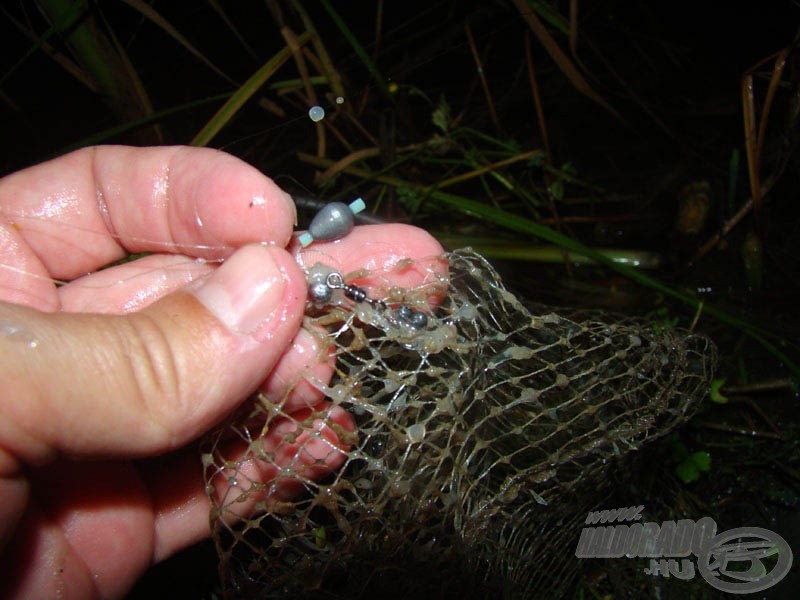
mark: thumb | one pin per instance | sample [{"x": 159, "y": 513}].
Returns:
[{"x": 146, "y": 382}]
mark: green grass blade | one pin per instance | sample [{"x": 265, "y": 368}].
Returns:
[
  {"x": 111, "y": 132},
  {"x": 519, "y": 224},
  {"x": 358, "y": 48},
  {"x": 522, "y": 225},
  {"x": 564, "y": 62},
  {"x": 550, "y": 15},
  {"x": 159, "y": 21},
  {"x": 103, "y": 60},
  {"x": 522, "y": 250},
  {"x": 64, "y": 20},
  {"x": 243, "y": 94},
  {"x": 232, "y": 28}
]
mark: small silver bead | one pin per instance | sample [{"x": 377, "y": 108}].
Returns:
[
  {"x": 418, "y": 320},
  {"x": 319, "y": 292},
  {"x": 413, "y": 318}
]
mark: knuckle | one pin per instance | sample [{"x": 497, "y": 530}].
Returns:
[{"x": 157, "y": 375}]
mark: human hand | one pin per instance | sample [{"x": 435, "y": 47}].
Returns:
[{"x": 105, "y": 380}]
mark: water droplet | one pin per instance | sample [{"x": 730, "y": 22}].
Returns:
[
  {"x": 316, "y": 113},
  {"x": 18, "y": 333},
  {"x": 416, "y": 433},
  {"x": 339, "y": 100}
]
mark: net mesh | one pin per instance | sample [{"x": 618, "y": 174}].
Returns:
[{"x": 482, "y": 439}]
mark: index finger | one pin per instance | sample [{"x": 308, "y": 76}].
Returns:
[{"x": 83, "y": 210}]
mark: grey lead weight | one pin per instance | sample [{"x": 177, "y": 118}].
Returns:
[{"x": 334, "y": 221}]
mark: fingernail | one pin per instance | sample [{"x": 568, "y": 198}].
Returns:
[{"x": 246, "y": 291}]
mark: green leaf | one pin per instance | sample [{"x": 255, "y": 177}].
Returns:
[
  {"x": 701, "y": 460},
  {"x": 690, "y": 468},
  {"x": 557, "y": 189},
  {"x": 441, "y": 116},
  {"x": 687, "y": 471},
  {"x": 715, "y": 393}
]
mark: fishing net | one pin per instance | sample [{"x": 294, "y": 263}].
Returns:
[{"x": 485, "y": 432}]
